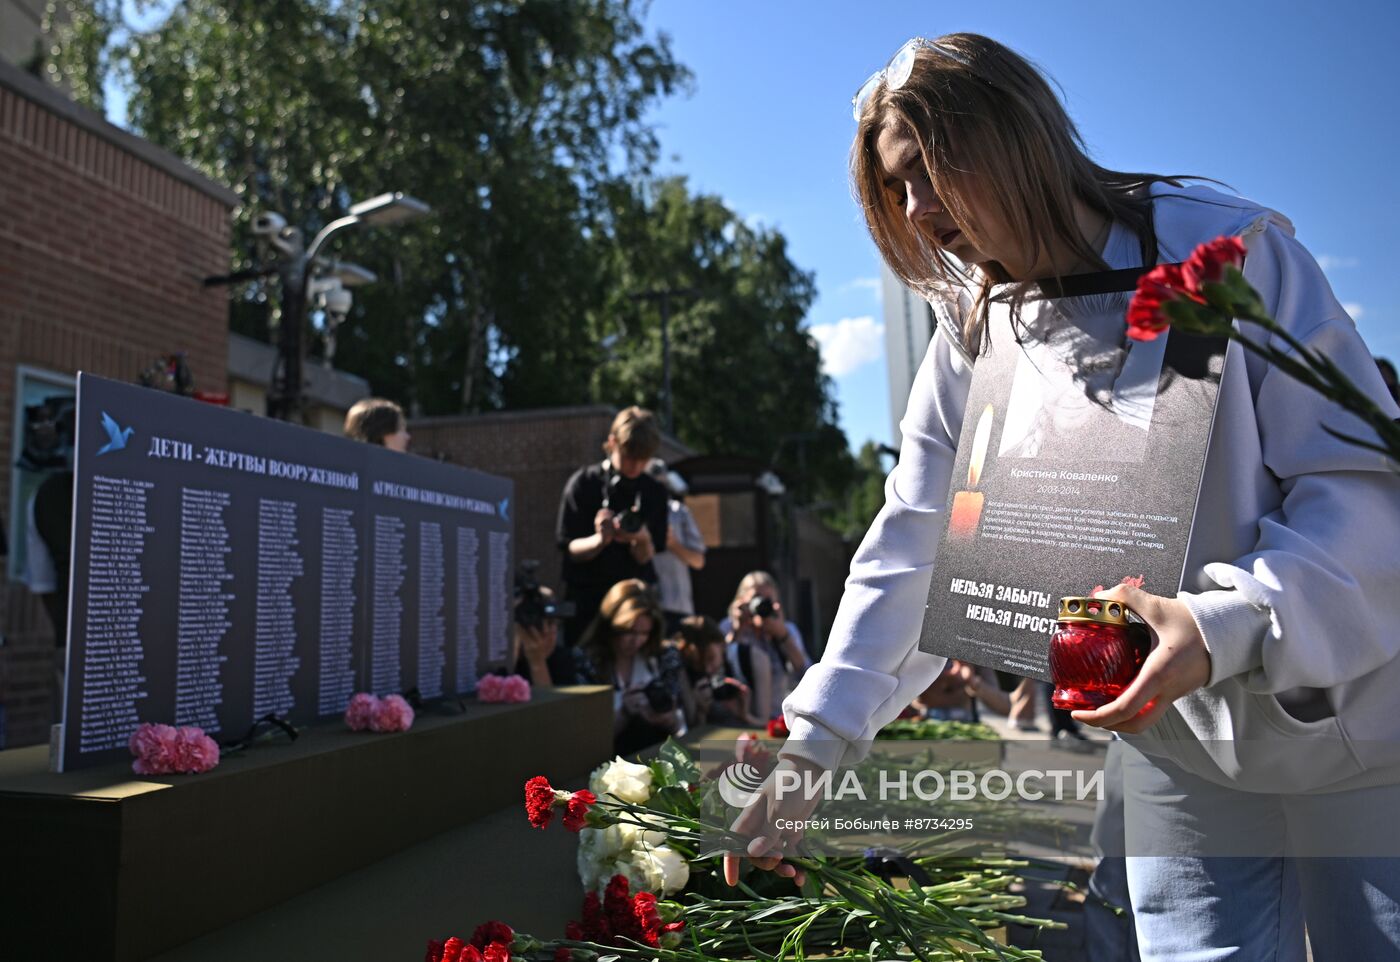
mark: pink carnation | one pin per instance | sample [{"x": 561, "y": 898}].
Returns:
[
  {"x": 163, "y": 750},
  {"x": 517, "y": 688},
  {"x": 359, "y": 712},
  {"x": 149, "y": 739},
  {"x": 494, "y": 688},
  {"x": 196, "y": 751},
  {"x": 392, "y": 714}
]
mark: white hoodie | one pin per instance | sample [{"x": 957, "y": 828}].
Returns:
[{"x": 1292, "y": 573}]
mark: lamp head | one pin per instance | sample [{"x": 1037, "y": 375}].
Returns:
[{"x": 388, "y": 210}]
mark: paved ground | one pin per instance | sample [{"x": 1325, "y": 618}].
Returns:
[{"x": 1055, "y": 888}]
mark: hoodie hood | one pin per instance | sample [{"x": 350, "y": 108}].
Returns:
[{"x": 1184, "y": 215}]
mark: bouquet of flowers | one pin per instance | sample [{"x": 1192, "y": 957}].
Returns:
[
  {"x": 367, "y": 712},
  {"x": 666, "y": 900},
  {"x": 498, "y": 688},
  {"x": 1206, "y": 293},
  {"x": 167, "y": 750},
  {"x": 633, "y": 851},
  {"x": 929, "y": 730}
]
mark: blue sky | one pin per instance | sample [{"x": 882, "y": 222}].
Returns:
[{"x": 1293, "y": 105}]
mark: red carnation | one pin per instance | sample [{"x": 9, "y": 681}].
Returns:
[
  {"x": 595, "y": 927},
  {"x": 448, "y": 950},
  {"x": 671, "y": 935},
  {"x": 539, "y": 801},
  {"x": 1207, "y": 262},
  {"x": 617, "y": 906},
  {"x": 777, "y": 727},
  {"x": 1146, "y": 315},
  {"x": 496, "y": 952},
  {"x": 647, "y": 919},
  {"x": 576, "y": 810},
  {"x": 493, "y": 931},
  {"x": 470, "y": 953},
  {"x": 619, "y": 918}
]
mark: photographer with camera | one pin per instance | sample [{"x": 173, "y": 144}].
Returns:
[
  {"x": 612, "y": 519},
  {"x": 756, "y": 623},
  {"x": 622, "y": 647},
  {"x": 535, "y": 652},
  {"x": 712, "y": 696}
]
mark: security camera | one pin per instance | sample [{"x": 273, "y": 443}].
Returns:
[
  {"x": 338, "y": 302},
  {"x": 272, "y": 229},
  {"x": 268, "y": 225}
]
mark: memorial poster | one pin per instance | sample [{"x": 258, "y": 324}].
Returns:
[
  {"x": 227, "y": 567},
  {"x": 1079, "y": 462}
]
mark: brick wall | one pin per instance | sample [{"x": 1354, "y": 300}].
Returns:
[
  {"x": 104, "y": 242},
  {"x": 538, "y": 450}
]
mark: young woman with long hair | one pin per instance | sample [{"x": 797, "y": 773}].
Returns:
[{"x": 975, "y": 185}]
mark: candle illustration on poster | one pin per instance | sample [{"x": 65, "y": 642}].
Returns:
[{"x": 967, "y": 505}]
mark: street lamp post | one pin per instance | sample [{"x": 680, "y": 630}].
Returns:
[
  {"x": 295, "y": 266},
  {"x": 663, "y": 297}
]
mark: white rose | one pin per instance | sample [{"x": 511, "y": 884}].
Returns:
[
  {"x": 634, "y": 836},
  {"x": 595, "y": 873},
  {"x": 619, "y": 839},
  {"x": 665, "y": 870},
  {"x": 590, "y": 867},
  {"x": 622, "y": 780}
]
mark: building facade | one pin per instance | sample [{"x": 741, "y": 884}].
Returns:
[
  {"x": 538, "y": 450},
  {"x": 104, "y": 245},
  {"x": 908, "y": 329}
]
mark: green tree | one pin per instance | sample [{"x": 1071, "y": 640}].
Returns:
[
  {"x": 522, "y": 123},
  {"x": 746, "y": 377},
  {"x": 508, "y": 117},
  {"x": 865, "y": 495}
]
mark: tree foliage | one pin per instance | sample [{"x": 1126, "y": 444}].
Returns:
[
  {"x": 745, "y": 377},
  {"x": 522, "y": 122},
  {"x": 865, "y": 494}
]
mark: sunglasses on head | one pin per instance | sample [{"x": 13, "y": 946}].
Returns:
[{"x": 895, "y": 74}]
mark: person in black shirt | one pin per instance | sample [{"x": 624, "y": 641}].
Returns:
[{"x": 612, "y": 519}]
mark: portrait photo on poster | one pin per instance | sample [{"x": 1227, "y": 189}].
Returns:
[{"x": 1080, "y": 387}]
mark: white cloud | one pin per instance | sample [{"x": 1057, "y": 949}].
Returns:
[
  {"x": 1354, "y": 309},
  {"x": 871, "y": 284},
  {"x": 1329, "y": 262},
  {"x": 849, "y": 343}
]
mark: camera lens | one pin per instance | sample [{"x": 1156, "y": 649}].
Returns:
[
  {"x": 630, "y": 521},
  {"x": 659, "y": 696},
  {"x": 761, "y": 607}
]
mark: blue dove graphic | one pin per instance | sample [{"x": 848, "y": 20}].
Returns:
[
  {"x": 504, "y": 508},
  {"x": 117, "y": 436}
]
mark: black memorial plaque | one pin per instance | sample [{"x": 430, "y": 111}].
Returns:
[
  {"x": 1079, "y": 462},
  {"x": 227, "y": 567}
]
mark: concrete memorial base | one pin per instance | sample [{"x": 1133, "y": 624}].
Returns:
[{"x": 109, "y": 865}]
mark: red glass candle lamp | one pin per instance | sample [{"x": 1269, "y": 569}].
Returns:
[{"x": 1096, "y": 652}]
